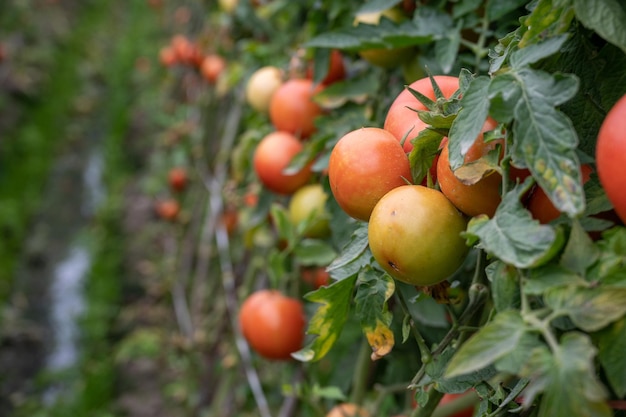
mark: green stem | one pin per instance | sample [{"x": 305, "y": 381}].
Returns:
[
  {"x": 425, "y": 355},
  {"x": 361, "y": 371},
  {"x": 434, "y": 397}
]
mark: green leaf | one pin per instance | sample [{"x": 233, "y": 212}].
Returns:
[
  {"x": 496, "y": 339},
  {"x": 497, "y": 8},
  {"x": 546, "y": 20},
  {"x": 542, "y": 279},
  {"x": 606, "y": 18},
  {"x": 512, "y": 235},
  {"x": 328, "y": 320},
  {"x": 314, "y": 252},
  {"x": 436, "y": 372},
  {"x": 356, "y": 89},
  {"x": 504, "y": 94},
  {"x": 425, "y": 148},
  {"x": 534, "y": 53},
  {"x": 513, "y": 361},
  {"x": 374, "y": 6},
  {"x": 590, "y": 309},
  {"x": 505, "y": 286},
  {"x": 447, "y": 49},
  {"x": 373, "y": 291},
  {"x": 567, "y": 379},
  {"x": 544, "y": 138},
  {"x": 580, "y": 252},
  {"x": 469, "y": 122},
  {"x": 355, "y": 255},
  {"x": 612, "y": 345}
]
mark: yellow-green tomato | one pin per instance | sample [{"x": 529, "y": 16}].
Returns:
[
  {"x": 261, "y": 85},
  {"x": 308, "y": 203},
  {"x": 414, "y": 234}
]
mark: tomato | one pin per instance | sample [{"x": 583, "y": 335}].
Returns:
[
  {"x": 611, "y": 156},
  {"x": 261, "y": 85},
  {"x": 364, "y": 165},
  {"x": 272, "y": 155},
  {"x": 336, "y": 69},
  {"x": 315, "y": 276},
  {"x": 347, "y": 410},
  {"x": 167, "y": 56},
  {"x": 228, "y": 6},
  {"x": 384, "y": 57},
  {"x": 483, "y": 197},
  {"x": 540, "y": 205},
  {"x": 273, "y": 324},
  {"x": 308, "y": 203},
  {"x": 177, "y": 178},
  {"x": 414, "y": 234},
  {"x": 447, "y": 398},
  {"x": 212, "y": 67},
  {"x": 168, "y": 209},
  {"x": 292, "y": 108},
  {"x": 401, "y": 118}
]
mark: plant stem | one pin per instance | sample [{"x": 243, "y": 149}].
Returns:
[{"x": 361, "y": 371}]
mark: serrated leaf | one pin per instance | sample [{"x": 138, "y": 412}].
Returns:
[
  {"x": 469, "y": 121},
  {"x": 328, "y": 320},
  {"x": 314, "y": 252},
  {"x": 534, "y": 53},
  {"x": 545, "y": 138},
  {"x": 590, "y": 309},
  {"x": 612, "y": 345},
  {"x": 512, "y": 235},
  {"x": 513, "y": 361},
  {"x": 546, "y": 20},
  {"x": 373, "y": 291},
  {"x": 568, "y": 380},
  {"x": 447, "y": 49},
  {"x": 353, "y": 249},
  {"x": 436, "y": 372},
  {"x": 493, "y": 341},
  {"x": 425, "y": 148},
  {"x": 505, "y": 286},
  {"x": 580, "y": 252},
  {"x": 606, "y": 18},
  {"x": 355, "y": 89},
  {"x": 542, "y": 279}
]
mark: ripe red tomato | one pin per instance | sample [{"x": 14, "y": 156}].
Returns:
[
  {"x": 212, "y": 67},
  {"x": 401, "y": 119},
  {"x": 177, "y": 178},
  {"x": 482, "y": 197},
  {"x": 315, "y": 276},
  {"x": 414, "y": 234},
  {"x": 167, "y": 56},
  {"x": 273, "y": 324},
  {"x": 168, "y": 209},
  {"x": 292, "y": 108},
  {"x": 308, "y": 203},
  {"x": 336, "y": 69},
  {"x": 364, "y": 165},
  {"x": 272, "y": 155},
  {"x": 261, "y": 85},
  {"x": 540, "y": 205},
  {"x": 611, "y": 156},
  {"x": 347, "y": 410}
]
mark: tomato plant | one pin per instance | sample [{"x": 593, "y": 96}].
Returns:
[
  {"x": 335, "y": 71},
  {"x": 212, "y": 66},
  {"x": 364, "y": 165},
  {"x": 610, "y": 156},
  {"x": 273, "y": 324},
  {"x": 414, "y": 233},
  {"x": 272, "y": 157}
]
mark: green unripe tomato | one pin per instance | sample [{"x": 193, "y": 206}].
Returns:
[
  {"x": 309, "y": 203},
  {"x": 414, "y": 234}
]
